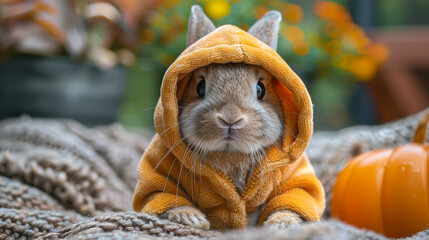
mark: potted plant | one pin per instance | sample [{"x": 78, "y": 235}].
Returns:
[{"x": 67, "y": 59}]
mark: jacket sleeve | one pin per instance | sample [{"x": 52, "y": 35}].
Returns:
[
  {"x": 157, "y": 189},
  {"x": 299, "y": 191}
]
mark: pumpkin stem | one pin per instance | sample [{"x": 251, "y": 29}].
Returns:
[{"x": 420, "y": 136}]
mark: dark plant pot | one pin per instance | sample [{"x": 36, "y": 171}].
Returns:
[{"x": 58, "y": 87}]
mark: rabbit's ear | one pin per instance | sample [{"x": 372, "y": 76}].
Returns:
[
  {"x": 199, "y": 25},
  {"x": 267, "y": 28}
]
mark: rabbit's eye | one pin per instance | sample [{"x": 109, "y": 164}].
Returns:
[
  {"x": 201, "y": 88},
  {"x": 260, "y": 90}
]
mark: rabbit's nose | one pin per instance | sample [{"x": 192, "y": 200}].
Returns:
[
  {"x": 228, "y": 122},
  {"x": 230, "y": 115}
]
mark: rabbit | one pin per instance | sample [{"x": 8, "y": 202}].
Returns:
[{"x": 229, "y": 113}]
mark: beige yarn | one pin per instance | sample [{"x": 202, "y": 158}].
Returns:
[{"x": 59, "y": 179}]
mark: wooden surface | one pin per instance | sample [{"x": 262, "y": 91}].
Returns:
[{"x": 401, "y": 87}]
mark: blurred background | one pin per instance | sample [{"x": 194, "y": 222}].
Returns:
[{"x": 99, "y": 62}]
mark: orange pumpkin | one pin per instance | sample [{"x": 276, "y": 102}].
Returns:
[{"x": 386, "y": 190}]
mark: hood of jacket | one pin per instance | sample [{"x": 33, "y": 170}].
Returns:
[
  {"x": 230, "y": 44},
  {"x": 168, "y": 176}
]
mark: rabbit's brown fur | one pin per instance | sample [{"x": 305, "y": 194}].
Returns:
[
  {"x": 231, "y": 91},
  {"x": 231, "y": 96}
]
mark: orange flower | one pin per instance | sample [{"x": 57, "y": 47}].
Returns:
[
  {"x": 332, "y": 30},
  {"x": 301, "y": 48},
  {"x": 357, "y": 35},
  {"x": 260, "y": 11},
  {"x": 331, "y": 11},
  {"x": 377, "y": 52},
  {"x": 364, "y": 68},
  {"x": 295, "y": 35},
  {"x": 293, "y": 13}
]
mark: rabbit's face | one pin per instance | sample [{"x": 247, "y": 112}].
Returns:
[{"x": 230, "y": 107}]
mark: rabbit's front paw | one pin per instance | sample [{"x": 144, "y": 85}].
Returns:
[
  {"x": 282, "y": 219},
  {"x": 188, "y": 216}
]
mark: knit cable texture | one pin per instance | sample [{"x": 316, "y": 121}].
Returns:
[{"x": 59, "y": 179}]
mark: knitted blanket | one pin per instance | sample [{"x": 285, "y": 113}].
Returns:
[{"x": 59, "y": 179}]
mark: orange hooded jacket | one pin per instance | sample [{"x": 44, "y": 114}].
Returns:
[{"x": 288, "y": 181}]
